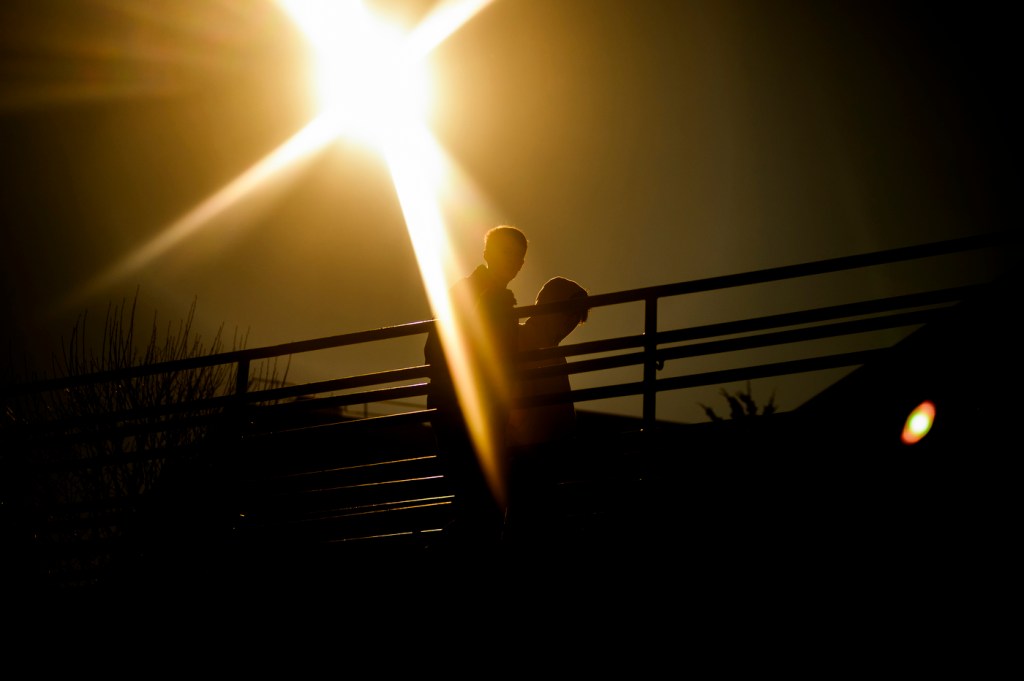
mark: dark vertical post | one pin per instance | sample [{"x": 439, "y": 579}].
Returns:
[
  {"x": 236, "y": 411},
  {"x": 242, "y": 379},
  {"x": 650, "y": 368}
]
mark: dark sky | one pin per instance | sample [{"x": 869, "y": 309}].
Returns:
[{"x": 637, "y": 143}]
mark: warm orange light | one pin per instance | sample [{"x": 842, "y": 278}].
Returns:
[
  {"x": 367, "y": 82},
  {"x": 372, "y": 85},
  {"x": 918, "y": 423}
]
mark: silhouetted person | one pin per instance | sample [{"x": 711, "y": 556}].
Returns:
[
  {"x": 539, "y": 433},
  {"x": 486, "y": 323}
]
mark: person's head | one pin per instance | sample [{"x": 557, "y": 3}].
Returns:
[
  {"x": 505, "y": 252},
  {"x": 559, "y": 289}
]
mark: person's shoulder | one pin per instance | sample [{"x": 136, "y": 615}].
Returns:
[
  {"x": 471, "y": 285},
  {"x": 478, "y": 277},
  {"x": 496, "y": 297}
]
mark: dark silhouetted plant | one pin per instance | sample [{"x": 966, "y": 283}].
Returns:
[
  {"x": 741, "y": 405},
  {"x": 90, "y": 440}
]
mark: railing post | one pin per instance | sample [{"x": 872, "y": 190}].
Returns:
[
  {"x": 650, "y": 367},
  {"x": 242, "y": 379},
  {"x": 236, "y": 408}
]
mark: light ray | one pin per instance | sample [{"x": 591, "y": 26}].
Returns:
[
  {"x": 415, "y": 159},
  {"x": 362, "y": 78},
  {"x": 365, "y": 79},
  {"x": 260, "y": 176},
  {"x": 444, "y": 19},
  {"x": 364, "y": 83}
]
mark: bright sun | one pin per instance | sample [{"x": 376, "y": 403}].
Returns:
[
  {"x": 367, "y": 79},
  {"x": 371, "y": 84}
]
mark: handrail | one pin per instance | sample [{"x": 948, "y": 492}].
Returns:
[
  {"x": 803, "y": 270},
  {"x": 651, "y": 343},
  {"x": 229, "y": 357}
]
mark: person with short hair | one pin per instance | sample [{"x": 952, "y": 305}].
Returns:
[
  {"x": 487, "y": 326},
  {"x": 540, "y": 433},
  {"x": 530, "y": 425}
]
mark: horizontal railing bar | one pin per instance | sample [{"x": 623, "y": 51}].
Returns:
[
  {"x": 225, "y": 402},
  {"x": 808, "y": 316},
  {"x": 817, "y": 314},
  {"x": 380, "y": 395},
  {"x": 383, "y": 333},
  {"x": 801, "y": 270},
  {"x": 774, "y": 369},
  {"x": 798, "y": 335},
  {"x": 584, "y": 366},
  {"x": 389, "y": 376},
  {"x": 736, "y": 344},
  {"x": 230, "y": 357},
  {"x": 384, "y": 420},
  {"x": 730, "y": 345},
  {"x": 599, "y": 300},
  {"x": 723, "y": 376}
]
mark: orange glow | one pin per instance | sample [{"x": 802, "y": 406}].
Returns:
[
  {"x": 265, "y": 176},
  {"x": 365, "y": 79},
  {"x": 918, "y": 423},
  {"x": 411, "y": 156},
  {"x": 371, "y": 86}
]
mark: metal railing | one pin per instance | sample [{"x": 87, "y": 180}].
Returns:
[
  {"x": 650, "y": 349},
  {"x": 64, "y": 478}
]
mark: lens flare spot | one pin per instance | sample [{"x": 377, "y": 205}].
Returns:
[{"x": 918, "y": 423}]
